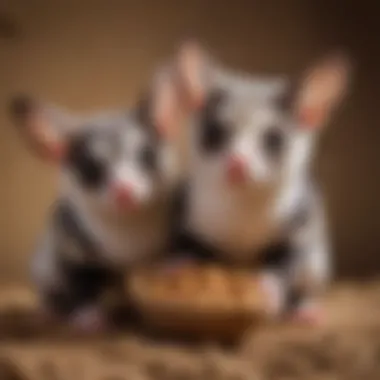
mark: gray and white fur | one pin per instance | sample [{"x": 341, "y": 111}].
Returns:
[
  {"x": 118, "y": 172},
  {"x": 251, "y": 198}
]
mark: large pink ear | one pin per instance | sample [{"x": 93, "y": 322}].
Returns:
[
  {"x": 321, "y": 90},
  {"x": 192, "y": 65},
  {"x": 166, "y": 108},
  {"x": 39, "y": 127},
  {"x": 178, "y": 89}
]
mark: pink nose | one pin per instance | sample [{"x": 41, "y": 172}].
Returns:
[
  {"x": 123, "y": 195},
  {"x": 236, "y": 169}
]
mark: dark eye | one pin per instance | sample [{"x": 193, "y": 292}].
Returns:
[
  {"x": 214, "y": 135},
  {"x": 274, "y": 141},
  {"x": 148, "y": 157},
  {"x": 89, "y": 169}
]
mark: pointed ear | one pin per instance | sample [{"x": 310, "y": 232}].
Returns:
[
  {"x": 321, "y": 90},
  {"x": 166, "y": 108},
  {"x": 42, "y": 127},
  {"x": 192, "y": 64}
]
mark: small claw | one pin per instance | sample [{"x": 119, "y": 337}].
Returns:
[
  {"x": 89, "y": 320},
  {"x": 310, "y": 314}
]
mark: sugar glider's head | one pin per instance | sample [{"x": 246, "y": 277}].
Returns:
[
  {"x": 122, "y": 160},
  {"x": 253, "y": 130}
]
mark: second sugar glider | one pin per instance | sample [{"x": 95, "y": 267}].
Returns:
[
  {"x": 118, "y": 171},
  {"x": 251, "y": 197}
]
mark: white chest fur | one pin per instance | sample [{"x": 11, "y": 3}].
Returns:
[
  {"x": 237, "y": 222},
  {"x": 124, "y": 238},
  {"x": 130, "y": 238}
]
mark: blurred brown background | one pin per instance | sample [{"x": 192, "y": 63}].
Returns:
[{"x": 92, "y": 54}]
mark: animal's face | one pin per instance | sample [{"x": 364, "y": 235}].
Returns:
[
  {"x": 245, "y": 132},
  {"x": 117, "y": 161},
  {"x": 121, "y": 159},
  {"x": 256, "y": 131}
]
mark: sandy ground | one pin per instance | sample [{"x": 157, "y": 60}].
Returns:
[{"x": 346, "y": 347}]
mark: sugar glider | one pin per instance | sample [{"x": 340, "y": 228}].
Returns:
[
  {"x": 251, "y": 198},
  {"x": 117, "y": 174}
]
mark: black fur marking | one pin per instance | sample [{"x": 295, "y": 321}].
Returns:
[
  {"x": 90, "y": 170},
  {"x": 214, "y": 135},
  {"x": 182, "y": 242},
  {"x": 71, "y": 228},
  {"x": 189, "y": 246},
  {"x": 86, "y": 278},
  {"x": 149, "y": 154},
  {"x": 303, "y": 210},
  {"x": 274, "y": 142},
  {"x": 84, "y": 285},
  {"x": 148, "y": 157},
  {"x": 178, "y": 212},
  {"x": 276, "y": 256}
]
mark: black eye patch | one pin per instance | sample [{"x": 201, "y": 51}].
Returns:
[
  {"x": 148, "y": 158},
  {"x": 214, "y": 134},
  {"x": 90, "y": 170},
  {"x": 274, "y": 141}
]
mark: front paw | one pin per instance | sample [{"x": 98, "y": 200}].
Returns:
[
  {"x": 274, "y": 293},
  {"x": 309, "y": 313},
  {"x": 89, "y": 320}
]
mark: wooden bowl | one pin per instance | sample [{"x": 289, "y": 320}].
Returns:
[{"x": 198, "y": 300}]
